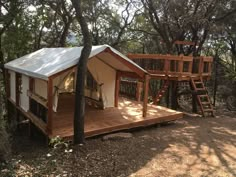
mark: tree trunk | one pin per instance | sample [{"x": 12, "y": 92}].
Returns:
[
  {"x": 81, "y": 73},
  {"x": 215, "y": 80}
]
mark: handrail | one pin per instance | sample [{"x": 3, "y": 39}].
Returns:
[
  {"x": 174, "y": 65},
  {"x": 37, "y": 98}
]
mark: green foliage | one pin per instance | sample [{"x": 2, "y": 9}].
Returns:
[
  {"x": 58, "y": 142},
  {"x": 4, "y": 137}
]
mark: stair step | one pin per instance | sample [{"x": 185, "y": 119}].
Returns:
[
  {"x": 198, "y": 89},
  {"x": 208, "y": 110},
  {"x": 198, "y": 83},
  {"x": 203, "y": 96},
  {"x": 206, "y": 103}
]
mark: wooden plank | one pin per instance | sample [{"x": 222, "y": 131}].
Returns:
[
  {"x": 37, "y": 98},
  {"x": 17, "y": 89},
  {"x": 145, "y": 97},
  {"x": 31, "y": 84},
  {"x": 159, "y": 56},
  {"x": 117, "y": 88},
  {"x": 127, "y": 115},
  {"x": 180, "y": 67},
  {"x": 207, "y": 59},
  {"x": 129, "y": 74},
  {"x": 139, "y": 91},
  {"x": 167, "y": 67},
  {"x": 50, "y": 105},
  {"x": 34, "y": 119}
]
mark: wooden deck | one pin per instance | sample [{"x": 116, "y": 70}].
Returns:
[{"x": 127, "y": 115}]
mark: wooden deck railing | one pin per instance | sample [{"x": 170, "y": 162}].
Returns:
[
  {"x": 174, "y": 65},
  {"x": 131, "y": 89}
]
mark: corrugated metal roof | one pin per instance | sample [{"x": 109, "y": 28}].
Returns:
[{"x": 49, "y": 61}]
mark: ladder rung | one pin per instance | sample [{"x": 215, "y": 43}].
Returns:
[
  {"x": 206, "y": 103},
  {"x": 200, "y": 89},
  {"x": 208, "y": 110},
  {"x": 203, "y": 96},
  {"x": 198, "y": 83}
]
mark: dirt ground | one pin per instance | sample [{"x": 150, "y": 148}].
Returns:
[{"x": 192, "y": 146}]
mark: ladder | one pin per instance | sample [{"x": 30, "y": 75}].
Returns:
[
  {"x": 203, "y": 98},
  {"x": 161, "y": 92}
]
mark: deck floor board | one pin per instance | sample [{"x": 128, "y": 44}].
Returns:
[{"x": 127, "y": 115}]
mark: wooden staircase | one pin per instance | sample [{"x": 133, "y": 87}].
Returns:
[
  {"x": 161, "y": 92},
  {"x": 203, "y": 98}
]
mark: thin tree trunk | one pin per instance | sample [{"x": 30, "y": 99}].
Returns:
[
  {"x": 81, "y": 73},
  {"x": 215, "y": 80}
]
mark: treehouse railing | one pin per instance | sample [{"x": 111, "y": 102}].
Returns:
[
  {"x": 131, "y": 89},
  {"x": 174, "y": 65}
]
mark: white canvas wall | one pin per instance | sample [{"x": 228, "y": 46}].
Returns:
[
  {"x": 40, "y": 88},
  {"x": 105, "y": 74},
  {"x": 59, "y": 86},
  {"x": 24, "y": 99},
  {"x": 12, "y": 85}
]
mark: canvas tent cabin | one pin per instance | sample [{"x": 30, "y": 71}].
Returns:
[{"x": 41, "y": 87}]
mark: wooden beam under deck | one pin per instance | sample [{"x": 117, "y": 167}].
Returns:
[
  {"x": 35, "y": 120},
  {"x": 50, "y": 105}
]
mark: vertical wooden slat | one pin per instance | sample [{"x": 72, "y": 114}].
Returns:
[
  {"x": 138, "y": 91},
  {"x": 31, "y": 84},
  {"x": 201, "y": 64},
  {"x": 117, "y": 88},
  {"x": 17, "y": 89},
  {"x": 145, "y": 98},
  {"x": 31, "y": 89},
  {"x": 50, "y": 105},
  {"x": 167, "y": 66},
  {"x": 181, "y": 63}
]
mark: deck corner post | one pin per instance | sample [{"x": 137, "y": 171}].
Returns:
[
  {"x": 145, "y": 98},
  {"x": 117, "y": 88},
  {"x": 50, "y": 105}
]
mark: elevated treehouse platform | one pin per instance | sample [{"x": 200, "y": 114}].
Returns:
[{"x": 172, "y": 67}]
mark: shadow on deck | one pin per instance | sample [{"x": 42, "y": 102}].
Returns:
[{"x": 128, "y": 115}]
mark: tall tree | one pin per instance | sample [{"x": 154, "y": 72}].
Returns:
[{"x": 81, "y": 73}]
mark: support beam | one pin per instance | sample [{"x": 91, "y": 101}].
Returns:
[
  {"x": 117, "y": 88},
  {"x": 138, "y": 91},
  {"x": 145, "y": 98},
  {"x": 17, "y": 89},
  {"x": 50, "y": 106},
  {"x": 174, "y": 91}
]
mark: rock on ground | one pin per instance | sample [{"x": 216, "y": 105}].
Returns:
[{"x": 117, "y": 136}]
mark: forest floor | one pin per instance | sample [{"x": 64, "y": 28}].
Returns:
[{"x": 192, "y": 146}]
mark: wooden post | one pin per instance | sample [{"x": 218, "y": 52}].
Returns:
[
  {"x": 17, "y": 89},
  {"x": 17, "y": 93},
  {"x": 167, "y": 66},
  {"x": 145, "y": 98},
  {"x": 201, "y": 65},
  {"x": 194, "y": 99},
  {"x": 50, "y": 105},
  {"x": 138, "y": 91},
  {"x": 181, "y": 64},
  {"x": 117, "y": 88},
  {"x": 174, "y": 87},
  {"x": 168, "y": 97}
]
